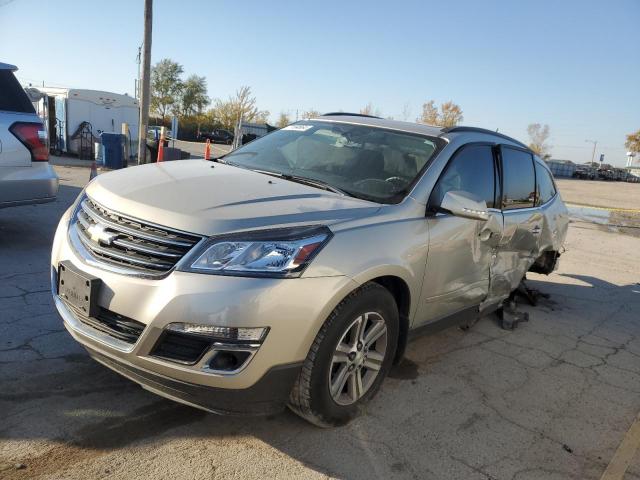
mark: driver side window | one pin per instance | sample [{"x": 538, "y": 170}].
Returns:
[{"x": 471, "y": 170}]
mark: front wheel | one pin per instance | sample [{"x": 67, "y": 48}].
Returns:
[{"x": 349, "y": 358}]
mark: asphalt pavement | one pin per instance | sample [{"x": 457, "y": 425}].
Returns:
[{"x": 553, "y": 399}]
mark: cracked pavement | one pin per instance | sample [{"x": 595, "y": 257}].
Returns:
[{"x": 550, "y": 400}]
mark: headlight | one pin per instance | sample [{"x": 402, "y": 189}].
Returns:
[{"x": 270, "y": 253}]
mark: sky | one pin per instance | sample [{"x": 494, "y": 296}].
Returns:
[{"x": 574, "y": 65}]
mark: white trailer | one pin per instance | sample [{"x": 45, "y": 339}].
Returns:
[{"x": 66, "y": 110}]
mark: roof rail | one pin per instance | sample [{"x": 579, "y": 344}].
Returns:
[
  {"x": 483, "y": 130},
  {"x": 347, "y": 114}
]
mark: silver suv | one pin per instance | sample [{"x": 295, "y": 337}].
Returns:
[
  {"x": 25, "y": 174},
  {"x": 293, "y": 270}
]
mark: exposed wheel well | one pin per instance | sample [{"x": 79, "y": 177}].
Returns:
[
  {"x": 546, "y": 262},
  {"x": 400, "y": 291}
]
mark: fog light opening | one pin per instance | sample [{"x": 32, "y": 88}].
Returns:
[{"x": 229, "y": 360}]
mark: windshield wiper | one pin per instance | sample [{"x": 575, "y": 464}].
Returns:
[
  {"x": 315, "y": 183},
  {"x": 305, "y": 181}
]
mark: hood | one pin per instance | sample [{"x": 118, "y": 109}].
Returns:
[{"x": 211, "y": 198}]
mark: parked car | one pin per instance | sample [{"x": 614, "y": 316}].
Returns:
[
  {"x": 154, "y": 131},
  {"x": 605, "y": 174},
  {"x": 25, "y": 174},
  {"x": 294, "y": 269},
  {"x": 218, "y": 135},
  {"x": 584, "y": 173}
]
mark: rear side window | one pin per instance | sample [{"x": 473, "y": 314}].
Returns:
[
  {"x": 544, "y": 185},
  {"x": 518, "y": 179},
  {"x": 471, "y": 170},
  {"x": 12, "y": 96}
]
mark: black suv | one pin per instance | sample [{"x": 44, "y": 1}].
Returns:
[{"x": 218, "y": 135}]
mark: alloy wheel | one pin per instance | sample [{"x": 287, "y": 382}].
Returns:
[{"x": 357, "y": 358}]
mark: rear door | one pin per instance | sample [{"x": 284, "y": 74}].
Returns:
[
  {"x": 519, "y": 246},
  {"x": 15, "y": 106}
]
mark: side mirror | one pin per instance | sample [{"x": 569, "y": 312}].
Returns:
[{"x": 464, "y": 204}]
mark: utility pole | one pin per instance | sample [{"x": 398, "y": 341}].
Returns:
[
  {"x": 145, "y": 90},
  {"x": 138, "y": 60},
  {"x": 593, "y": 155}
]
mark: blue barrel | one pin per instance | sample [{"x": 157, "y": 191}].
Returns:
[{"x": 113, "y": 150}]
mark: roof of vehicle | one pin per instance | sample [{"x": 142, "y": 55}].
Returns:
[
  {"x": 8, "y": 66},
  {"x": 358, "y": 119},
  {"x": 409, "y": 127}
]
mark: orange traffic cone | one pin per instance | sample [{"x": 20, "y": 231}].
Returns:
[
  {"x": 161, "y": 146},
  {"x": 207, "y": 150},
  {"x": 94, "y": 171}
]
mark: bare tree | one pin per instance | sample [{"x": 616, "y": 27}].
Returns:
[
  {"x": 283, "y": 120},
  {"x": 406, "y": 112},
  {"x": 538, "y": 136},
  {"x": 311, "y": 113},
  {"x": 369, "y": 109},
  {"x": 242, "y": 105}
]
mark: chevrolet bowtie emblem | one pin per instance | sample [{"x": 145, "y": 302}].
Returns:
[{"x": 98, "y": 234}]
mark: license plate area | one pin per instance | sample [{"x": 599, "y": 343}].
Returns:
[{"x": 79, "y": 289}]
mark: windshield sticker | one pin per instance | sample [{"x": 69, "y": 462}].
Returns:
[{"x": 298, "y": 128}]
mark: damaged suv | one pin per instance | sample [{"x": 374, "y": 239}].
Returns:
[{"x": 293, "y": 270}]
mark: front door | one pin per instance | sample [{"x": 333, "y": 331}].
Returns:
[{"x": 457, "y": 276}]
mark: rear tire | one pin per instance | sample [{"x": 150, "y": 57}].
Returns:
[{"x": 348, "y": 359}]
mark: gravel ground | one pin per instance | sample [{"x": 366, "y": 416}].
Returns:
[
  {"x": 600, "y": 194},
  {"x": 552, "y": 399}
]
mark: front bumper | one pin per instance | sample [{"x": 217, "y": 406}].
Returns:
[
  {"x": 292, "y": 309},
  {"x": 267, "y": 395}
]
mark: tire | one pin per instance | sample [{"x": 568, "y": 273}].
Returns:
[{"x": 311, "y": 397}]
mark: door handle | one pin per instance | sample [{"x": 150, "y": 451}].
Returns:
[
  {"x": 536, "y": 230},
  {"x": 485, "y": 235}
]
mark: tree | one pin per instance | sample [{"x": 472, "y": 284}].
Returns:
[
  {"x": 633, "y": 142},
  {"x": 311, "y": 113},
  {"x": 538, "y": 135},
  {"x": 283, "y": 120},
  {"x": 369, "y": 109},
  {"x": 261, "y": 116},
  {"x": 166, "y": 86},
  {"x": 429, "y": 113},
  {"x": 193, "y": 97},
  {"x": 226, "y": 113},
  {"x": 450, "y": 114},
  {"x": 406, "y": 112}
]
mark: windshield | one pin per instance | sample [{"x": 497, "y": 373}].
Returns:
[{"x": 365, "y": 162}]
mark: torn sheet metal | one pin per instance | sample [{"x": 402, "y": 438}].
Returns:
[{"x": 526, "y": 234}]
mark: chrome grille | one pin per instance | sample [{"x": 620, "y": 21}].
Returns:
[{"x": 116, "y": 239}]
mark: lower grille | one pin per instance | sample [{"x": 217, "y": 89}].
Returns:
[
  {"x": 181, "y": 347},
  {"x": 113, "y": 324}
]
